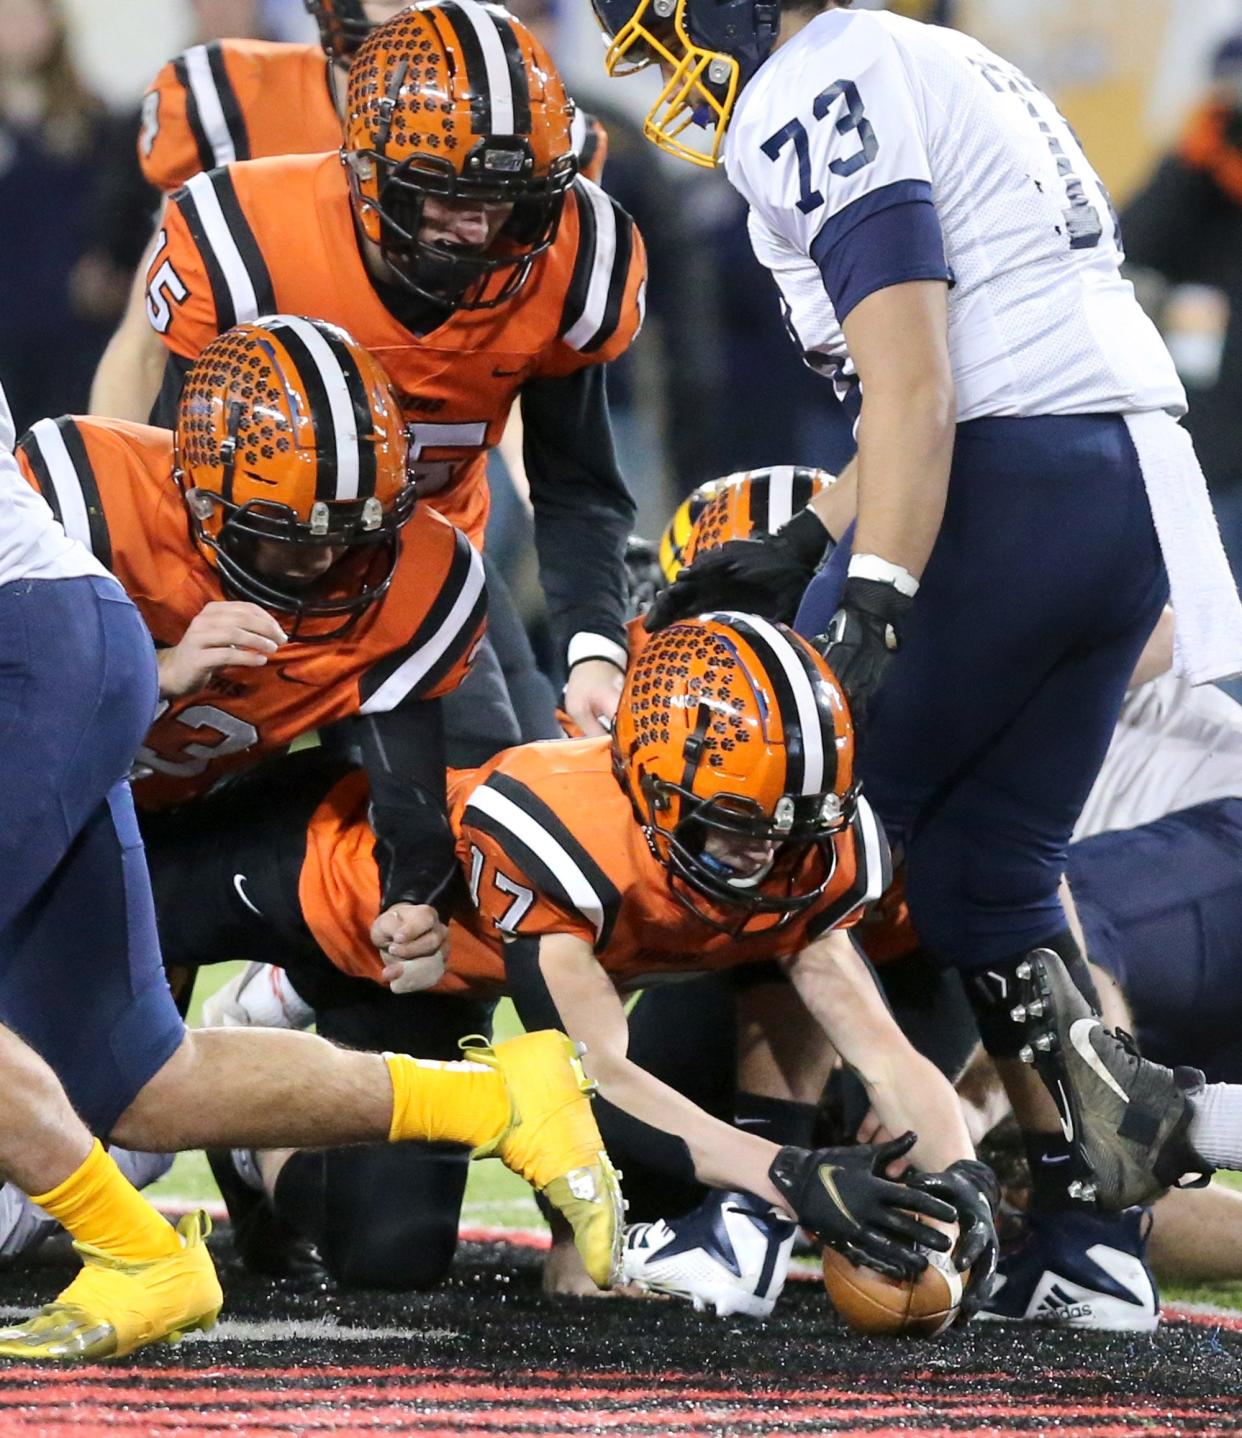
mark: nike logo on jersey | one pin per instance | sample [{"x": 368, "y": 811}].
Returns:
[
  {"x": 501, "y": 373},
  {"x": 1055, "y": 1157},
  {"x": 293, "y": 679},
  {"x": 239, "y": 883},
  {"x": 1080, "y": 1037}
]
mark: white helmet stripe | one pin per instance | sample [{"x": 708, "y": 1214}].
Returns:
[
  {"x": 499, "y": 85},
  {"x": 344, "y": 422},
  {"x": 780, "y": 496},
  {"x": 804, "y": 700}
]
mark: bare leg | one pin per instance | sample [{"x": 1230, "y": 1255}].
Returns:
[
  {"x": 782, "y": 1052},
  {"x": 260, "y": 1088},
  {"x": 1196, "y": 1235},
  {"x": 42, "y": 1140}
]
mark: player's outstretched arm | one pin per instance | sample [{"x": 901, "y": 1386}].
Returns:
[
  {"x": 844, "y": 1195},
  {"x": 906, "y": 1091}
]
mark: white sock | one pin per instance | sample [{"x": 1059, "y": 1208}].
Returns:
[{"x": 1216, "y": 1124}]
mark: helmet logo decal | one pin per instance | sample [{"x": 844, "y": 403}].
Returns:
[{"x": 509, "y": 161}]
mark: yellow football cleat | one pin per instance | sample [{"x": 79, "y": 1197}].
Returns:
[
  {"x": 112, "y": 1307},
  {"x": 552, "y": 1140}
]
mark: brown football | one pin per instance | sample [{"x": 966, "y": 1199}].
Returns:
[{"x": 871, "y": 1302}]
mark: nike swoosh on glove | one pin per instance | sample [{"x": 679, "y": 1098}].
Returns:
[{"x": 841, "y": 1194}]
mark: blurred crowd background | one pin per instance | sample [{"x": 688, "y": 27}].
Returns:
[{"x": 1153, "y": 88}]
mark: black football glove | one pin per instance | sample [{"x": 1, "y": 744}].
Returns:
[
  {"x": 972, "y": 1189},
  {"x": 842, "y": 1195},
  {"x": 863, "y": 636},
  {"x": 766, "y": 575}
]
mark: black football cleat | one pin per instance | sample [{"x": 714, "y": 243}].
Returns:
[{"x": 1126, "y": 1117}]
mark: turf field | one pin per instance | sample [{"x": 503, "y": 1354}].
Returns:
[{"x": 488, "y": 1353}]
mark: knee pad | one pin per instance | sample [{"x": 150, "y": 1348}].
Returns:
[
  {"x": 993, "y": 993},
  {"x": 383, "y": 1216}
]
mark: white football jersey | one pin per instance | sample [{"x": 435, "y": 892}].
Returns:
[
  {"x": 860, "y": 113},
  {"x": 1174, "y": 747},
  {"x": 32, "y": 544}
]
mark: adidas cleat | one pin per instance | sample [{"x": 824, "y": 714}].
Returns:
[
  {"x": 553, "y": 1142},
  {"x": 1125, "y": 1116},
  {"x": 112, "y": 1308},
  {"x": 1078, "y": 1270},
  {"x": 730, "y": 1254}
]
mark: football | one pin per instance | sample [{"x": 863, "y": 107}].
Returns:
[{"x": 872, "y": 1302}]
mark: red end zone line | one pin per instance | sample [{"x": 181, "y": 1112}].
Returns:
[{"x": 690, "y": 1425}]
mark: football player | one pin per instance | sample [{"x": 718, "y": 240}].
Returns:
[
  {"x": 79, "y": 687},
  {"x": 455, "y": 242},
  {"x": 244, "y": 100},
  {"x": 720, "y": 827},
  {"x": 274, "y": 550},
  {"x": 946, "y": 252}
]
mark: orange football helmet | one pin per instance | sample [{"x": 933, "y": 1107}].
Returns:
[
  {"x": 739, "y": 506},
  {"x": 732, "y": 731},
  {"x": 456, "y": 100},
  {"x": 288, "y": 431}
]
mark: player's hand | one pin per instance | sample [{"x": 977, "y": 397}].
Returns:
[
  {"x": 766, "y": 575},
  {"x": 842, "y": 1195},
  {"x": 414, "y": 943},
  {"x": 972, "y": 1189},
  {"x": 591, "y": 694},
  {"x": 224, "y": 634},
  {"x": 863, "y": 636}
]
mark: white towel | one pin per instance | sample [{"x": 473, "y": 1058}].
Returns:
[{"x": 1207, "y": 634}]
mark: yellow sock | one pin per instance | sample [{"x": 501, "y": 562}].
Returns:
[
  {"x": 446, "y": 1102},
  {"x": 98, "y": 1205}
]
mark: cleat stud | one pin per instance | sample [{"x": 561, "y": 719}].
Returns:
[
  {"x": 1036, "y": 1008},
  {"x": 1023, "y": 970},
  {"x": 1019, "y": 1012},
  {"x": 1027, "y": 1054},
  {"x": 1044, "y": 1043}
]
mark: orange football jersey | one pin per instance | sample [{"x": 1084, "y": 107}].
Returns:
[
  {"x": 277, "y": 236},
  {"x": 248, "y": 99},
  {"x": 548, "y": 844},
  {"x": 235, "y": 100},
  {"x": 111, "y": 484}
]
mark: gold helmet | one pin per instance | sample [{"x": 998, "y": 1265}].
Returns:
[{"x": 739, "y": 506}]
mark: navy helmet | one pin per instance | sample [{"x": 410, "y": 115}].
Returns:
[{"x": 707, "y": 49}]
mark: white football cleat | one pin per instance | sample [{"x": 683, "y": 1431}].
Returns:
[
  {"x": 730, "y": 1254},
  {"x": 261, "y": 996},
  {"x": 1079, "y": 1270}
]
